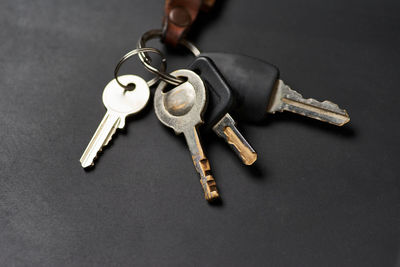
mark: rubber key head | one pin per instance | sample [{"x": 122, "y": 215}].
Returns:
[
  {"x": 220, "y": 97},
  {"x": 252, "y": 81}
]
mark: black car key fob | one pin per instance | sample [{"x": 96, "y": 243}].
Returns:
[
  {"x": 259, "y": 91},
  {"x": 220, "y": 102}
]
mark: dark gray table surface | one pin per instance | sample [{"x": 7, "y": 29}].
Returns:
[{"x": 318, "y": 196}]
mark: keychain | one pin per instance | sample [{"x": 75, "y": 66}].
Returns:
[{"x": 207, "y": 95}]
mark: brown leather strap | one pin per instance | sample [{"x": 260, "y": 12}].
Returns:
[
  {"x": 207, "y": 5},
  {"x": 179, "y": 16}
]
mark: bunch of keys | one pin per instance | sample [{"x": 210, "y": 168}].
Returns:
[
  {"x": 202, "y": 94},
  {"x": 180, "y": 109},
  {"x": 256, "y": 91}
]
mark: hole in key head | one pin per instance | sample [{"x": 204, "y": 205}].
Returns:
[
  {"x": 169, "y": 86},
  {"x": 130, "y": 87}
]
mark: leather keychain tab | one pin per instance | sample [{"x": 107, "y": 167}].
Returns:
[{"x": 179, "y": 16}]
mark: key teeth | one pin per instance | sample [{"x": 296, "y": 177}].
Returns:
[
  {"x": 207, "y": 181},
  {"x": 210, "y": 188},
  {"x": 332, "y": 106},
  {"x": 293, "y": 101},
  {"x": 294, "y": 95},
  {"x": 109, "y": 138},
  {"x": 106, "y": 142},
  {"x": 328, "y": 103}
]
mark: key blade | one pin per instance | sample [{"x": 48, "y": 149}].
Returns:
[
  {"x": 101, "y": 138},
  {"x": 201, "y": 164},
  {"x": 284, "y": 98},
  {"x": 226, "y": 129}
]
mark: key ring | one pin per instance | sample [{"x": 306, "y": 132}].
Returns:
[
  {"x": 140, "y": 51},
  {"x": 145, "y": 59}
]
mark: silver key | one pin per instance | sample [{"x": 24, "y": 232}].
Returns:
[
  {"x": 181, "y": 109},
  {"x": 119, "y": 104},
  {"x": 284, "y": 98}
]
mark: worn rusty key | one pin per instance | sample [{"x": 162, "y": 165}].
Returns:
[
  {"x": 181, "y": 109},
  {"x": 221, "y": 102}
]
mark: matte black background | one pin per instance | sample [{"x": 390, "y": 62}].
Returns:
[{"x": 318, "y": 196}]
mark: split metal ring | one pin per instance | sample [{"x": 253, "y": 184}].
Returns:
[
  {"x": 130, "y": 54},
  {"x": 146, "y": 60}
]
